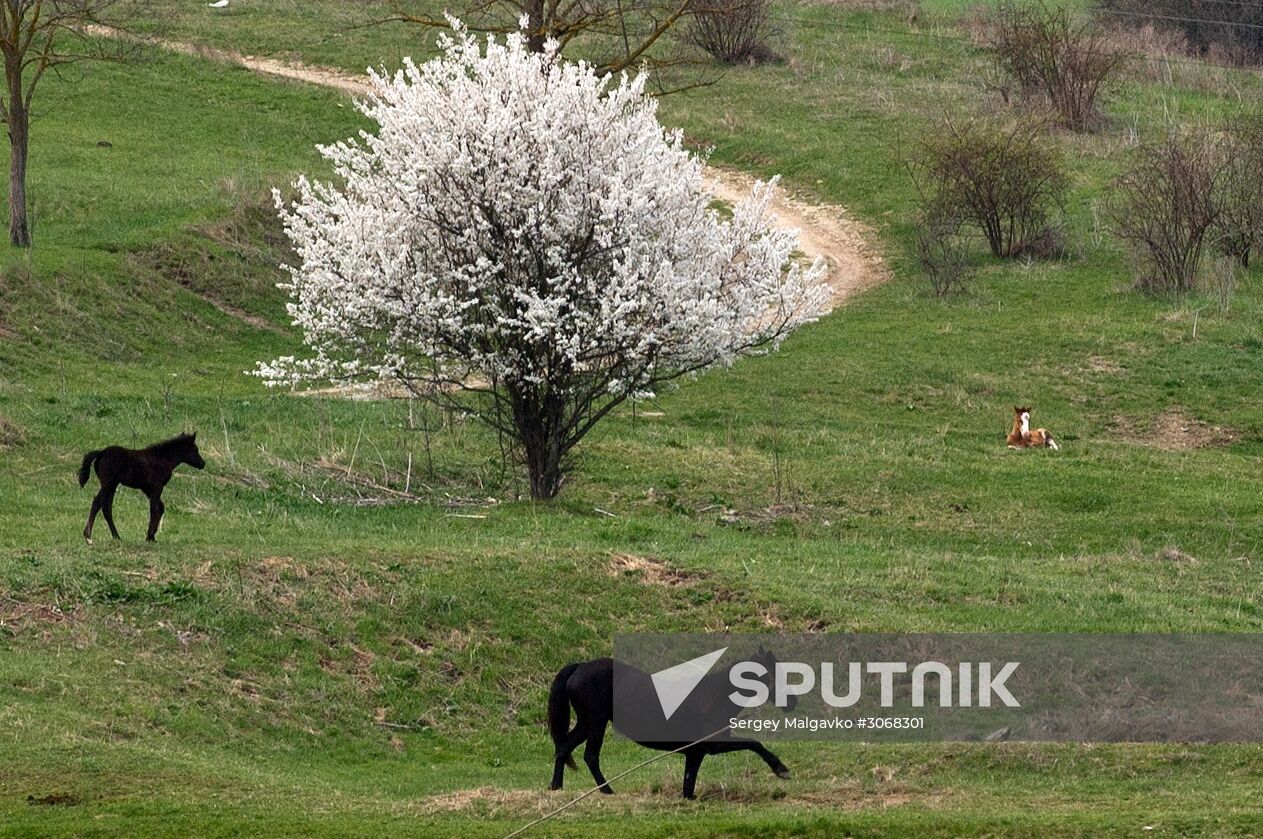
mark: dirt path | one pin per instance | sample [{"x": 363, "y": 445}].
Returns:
[{"x": 826, "y": 230}]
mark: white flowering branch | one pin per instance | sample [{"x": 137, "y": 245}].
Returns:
[{"x": 522, "y": 228}]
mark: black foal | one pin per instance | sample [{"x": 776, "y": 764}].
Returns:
[
  {"x": 147, "y": 470},
  {"x": 589, "y": 688}
]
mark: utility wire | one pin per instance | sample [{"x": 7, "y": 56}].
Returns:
[{"x": 1152, "y": 16}]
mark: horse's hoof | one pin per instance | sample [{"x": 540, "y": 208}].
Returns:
[
  {"x": 782, "y": 772},
  {"x": 554, "y": 787},
  {"x": 88, "y": 539},
  {"x": 605, "y": 790}
]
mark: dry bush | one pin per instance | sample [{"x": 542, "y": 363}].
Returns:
[
  {"x": 1164, "y": 208},
  {"x": 1238, "y": 229},
  {"x": 1051, "y": 54},
  {"x": 1006, "y": 180},
  {"x": 942, "y": 255},
  {"x": 732, "y": 31},
  {"x": 1229, "y": 31}
]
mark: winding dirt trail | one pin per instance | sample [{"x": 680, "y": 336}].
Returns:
[{"x": 826, "y": 230}]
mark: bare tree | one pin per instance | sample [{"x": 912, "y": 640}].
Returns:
[
  {"x": 941, "y": 253},
  {"x": 1004, "y": 179},
  {"x": 37, "y": 36},
  {"x": 1055, "y": 53},
  {"x": 1238, "y": 231},
  {"x": 1164, "y": 208},
  {"x": 732, "y": 31},
  {"x": 617, "y": 34}
]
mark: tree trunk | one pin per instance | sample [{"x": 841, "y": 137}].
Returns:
[
  {"x": 543, "y": 463},
  {"x": 19, "y": 138},
  {"x": 538, "y": 421},
  {"x": 535, "y": 35}
]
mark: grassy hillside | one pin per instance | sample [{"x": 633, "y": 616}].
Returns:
[{"x": 338, "y": 634}]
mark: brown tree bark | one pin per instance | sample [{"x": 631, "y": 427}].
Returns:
[
  {"x": 36, "y": 36},
  {"x": 18, "y": 119}
]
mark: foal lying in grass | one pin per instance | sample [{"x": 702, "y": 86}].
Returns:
[
  {"x": 1021, "y": 436},
  {"x": 147, "y": 470}
]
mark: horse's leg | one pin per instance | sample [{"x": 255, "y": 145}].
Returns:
[
  {"x": 692, "y": 763},
  {"x": 592, "y": 756},
  {"x": 576, "y": 736},
  {"x": 156, "y": 509},
  {"x": 107, "y": 507},
  {"x": 736, "y": 744},
  {"x": 96, "y": 507}
]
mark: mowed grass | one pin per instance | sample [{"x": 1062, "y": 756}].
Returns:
[{"x": 304, "y": 654}]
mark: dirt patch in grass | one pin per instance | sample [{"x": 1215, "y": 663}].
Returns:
[
  {"x": 651, "y": 571},
  {"x": 17, "y": 616},
  {"x": 282, "y": 581},
  {"x": 1101, "y": 364},
  {"x": 1174, "y": 555},
  {"x": 11, "y": 435},
  {"x": 356, "y": 663},
  {"x": 240, "y": 314},
  {"x": 909, "y": 7},
  {"x": 852, "y": 795},
  {"x": 836, "y": 794},
  {"x": 490, "y": 800},
  {"x": 1175, "y": 430},
  {"x": 53, "y": 799}
]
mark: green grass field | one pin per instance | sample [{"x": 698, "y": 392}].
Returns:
[{"x": 304, "y": 654}]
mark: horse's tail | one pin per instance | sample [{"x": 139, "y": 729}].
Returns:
[
  {"x": 559, "y": 709},
  {"x": 85, "y": 468}
]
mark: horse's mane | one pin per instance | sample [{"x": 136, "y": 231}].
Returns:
[{"x": 180, "y": 441}]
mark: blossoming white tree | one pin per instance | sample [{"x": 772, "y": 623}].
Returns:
[{"x": 521, "y": 239}]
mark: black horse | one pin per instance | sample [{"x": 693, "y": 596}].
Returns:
[
  {"x": 147, "y": 470},
  {"x": 589, "y": 688}
]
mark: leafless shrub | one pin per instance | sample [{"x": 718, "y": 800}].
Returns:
[
  {"x": 942, "y": 255},
  {"x": 1164, "y": 207},
  {"x": 1006, "y": 180},
  {"x": 1238, "y": 229},
  {"x": 732, "y": 31},
  {"x": 1052, "y": 54}
]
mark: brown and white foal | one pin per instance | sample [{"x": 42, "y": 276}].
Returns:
[{"x": 1023, "y": 437}]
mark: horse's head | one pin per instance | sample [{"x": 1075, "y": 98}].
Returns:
[
  {"x": 769, "y": 661},
  {"x": 1021, "y": 414},
  {"x": 188, "y": 451}
]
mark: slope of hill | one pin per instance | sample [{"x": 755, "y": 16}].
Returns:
[{"x": 348, "y": 624}]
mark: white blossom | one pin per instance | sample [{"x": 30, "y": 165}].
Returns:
[{"x": 519, "y": 222}]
